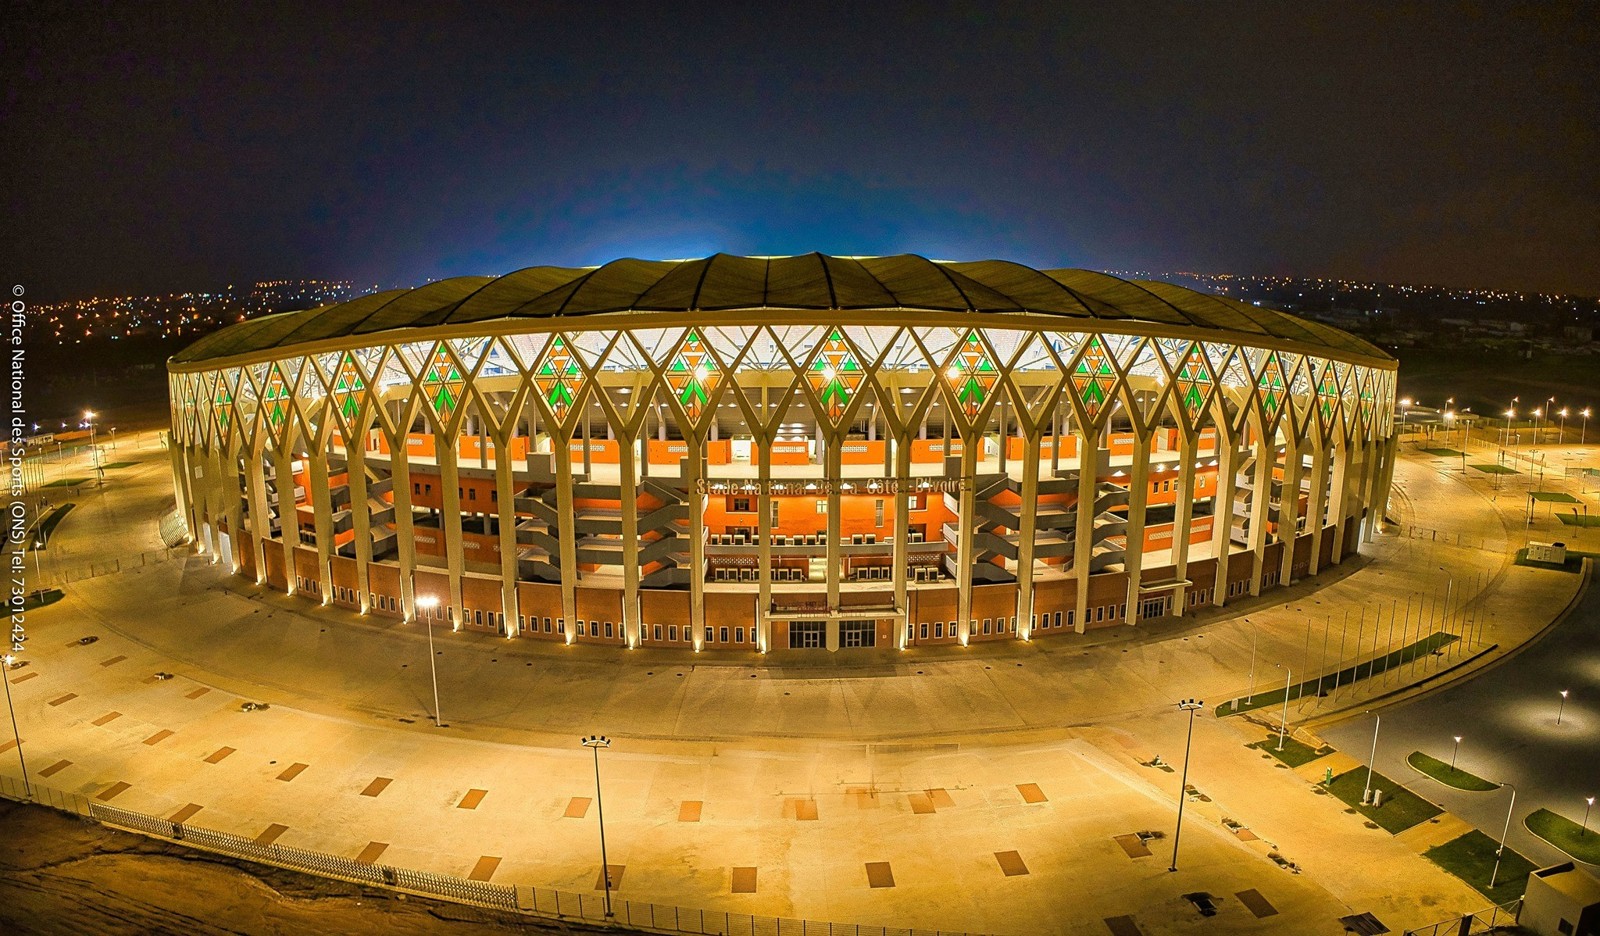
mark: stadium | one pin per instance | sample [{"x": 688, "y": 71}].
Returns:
[{"x": 781, "y": 453}]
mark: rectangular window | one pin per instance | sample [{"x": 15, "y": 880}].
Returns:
[
  {"x": 987, "y": 623},
  {"x": 923, "y": 631},
  {"x": 561, "y": 626},
  {"x": 608, "y": 628},
  {"x": 738, "y": 635},
  {"x": 479, "y": 618},
  {"x": 657, "y": 632},
  {"x": 739, "y": 505},
  {"x": 1099, "y": 613},
  {"x": 522, "y": 622},
  {"x": 672, "y": 632},
  {"x": 938, "y": 628},
  {"x": 877, "y": 512},
  {"x": 472, "y": 493},
  {"x": 1069, "y": 619},
  {"x": 722, "y": 634},
  {"x": 822, "y": 506},
  {"x": 708, "y": 634},
  {"x": 547, "y": 625},
  {"x": 494, "y": 495},
  {"x": 416, "y": 487},
  {"x": 1058, "y": 618},
  {"x": 774, "y": 520}
]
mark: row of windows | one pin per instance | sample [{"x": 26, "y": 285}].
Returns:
[{"x": 418, "y": 487}]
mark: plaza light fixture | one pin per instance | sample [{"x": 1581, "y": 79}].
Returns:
[
  {"x": 1454, "y": 752},
  {"x": 1562, "y": 707},
  {"x": 1283, "y": 726},
  {"x": 1366, "y": 794},
  {"x": 429, "y": 603},
  {"x": 1191, "y": 706},
  {"x": 5, "y": 676},
  {"x": 595, "y": 743},
  {"x": 1495, "y": 875},
  {"x": 1584, "y": 432},
  {"x": 1588, "y": 804}
]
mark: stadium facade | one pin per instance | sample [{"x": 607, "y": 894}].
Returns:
[{"x": 747, "y": 453}]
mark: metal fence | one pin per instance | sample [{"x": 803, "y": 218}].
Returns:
[
  {"x": 1497, "y": 919},
  {"x": 512, "y": 898},
  {"x": 115, "y": 565}
]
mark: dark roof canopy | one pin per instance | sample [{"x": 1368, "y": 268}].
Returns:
[{"x": 810, "y": 281}]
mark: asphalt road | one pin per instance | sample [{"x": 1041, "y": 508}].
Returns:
[{"x": 1507, "y": 720}]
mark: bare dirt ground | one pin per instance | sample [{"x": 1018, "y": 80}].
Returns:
[{"x": 62, "y": 875}]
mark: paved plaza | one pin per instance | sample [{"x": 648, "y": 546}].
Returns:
[{"x": 982, "y": 789}]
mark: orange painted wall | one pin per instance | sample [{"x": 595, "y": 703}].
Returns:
[
  {"x": 790, "y": 453},
  {"x": 859, "y": 452},
  {"x": 383, "y": 579},
  {"x": 925, "y": 451}
]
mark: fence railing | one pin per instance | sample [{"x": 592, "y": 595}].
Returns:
[
  {"x": 512, "y": 898},
  {"x": 114, "y": 565},
  {"x": 1488, "y": 920}
]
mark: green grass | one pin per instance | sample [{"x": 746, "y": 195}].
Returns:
[
  {"x": 67, "y": 482},
  {"x": 122, "y": 464},
  {"x": 1554, "y": 497},
  {"x": 1579, "y": 520},
  {"x": 1447, "y": 775},
  {"x": 1401, "y": 808},
  {"x": 1294, "y": 753},
  {"x": 1444, "y": 452},
  {"x": 1363, "y": 669},
  {"x": 1471, "y": 858},
  {"x": 1494, "y": 469},
  {"x": 47, "y": 526},
  {"x": 1574, "y": 562},
  {"x": 40, "y": 599},
  {"x": 1566, "y": 835}
]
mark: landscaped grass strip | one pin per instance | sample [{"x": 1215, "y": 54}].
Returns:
[
  {"x": 1401, "y": 808},
  {"x": 1447, "y": 775},
  {"x": 1363, "y": 669},
  {"x": 1294, "y": 753},
  {"x": 1471, "y": 858},
  {"x": 1571, "y": 837},
  {"x": 1495, "y": 469}
]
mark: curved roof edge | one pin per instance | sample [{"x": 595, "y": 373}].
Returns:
[{"x": 808, "y": 282}]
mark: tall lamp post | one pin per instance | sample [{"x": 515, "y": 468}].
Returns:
[
  {"x": 94, "y": 450},
  {"x": 1191, "y": 706},
  {"x": 1588, "y": 804},
  {"x": 428, "y": 603},
  {"x": 1252, "y": 691},
  {"x": 1283, "y": 726},
  {"x": 1563, "y": 426},
  {"x": 5, "y": 674},
  {"x": 1495, "y": 875},
  {"x": 1584, "y": 432},
  {"x": 595, "y": 743},
  {"x": 1453, "y": 752},
  {"x": 1366, "y": 794},
  {"x": 1562, "y": 707}
]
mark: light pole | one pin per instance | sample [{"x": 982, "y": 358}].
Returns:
[
  {"x": 429, "y": 603},
  {"x": 1405, "y": 406},
  {"x": 1366, "y": 795},
  {"x": 1190, "y": 706},
  {"x": 1454, "y": 751},
  {"x": 1584, "y": 432},
  {"x": 1495, "y": 875},
  {"x": 595, "y": 743},
  {"x": 1252, "y": 694},
  {"x": 1562, "y": 707},
  {"x": 5, "y": 674},
  {"x": 1588, "y": 803},
  {"x": 1563, "y": 426},
  {"x": 1283, "y": 726}
]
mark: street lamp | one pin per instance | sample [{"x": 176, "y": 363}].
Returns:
[
  {"x": 1562, "y": 707},
  {"x": 1191, "y": 706},
  {"x": 1588, "y": 803},
  {"x": 1456, "y": 750},
  {"x": 1405, "y": 406},
  {"x": 5, "y": 674},
  {"x": 1283, "y": 726},
  {"x": 1366, "y": 794},
  {"x": 1510, "y": 414},
  {"x": 1495, "y": 875},
  {"x": 1584, "y": 432},
  {"x": 595, "y": 743},
  {"x": 1252, "y": 692},
  {"x": 429, "y": 603},
  {"x": 1563, "y": 426}
]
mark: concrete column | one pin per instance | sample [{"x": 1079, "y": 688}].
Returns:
[
  {"x": 693, "y": 472},
  {"x": 1289, "y": 510},
  {"x": 967, "y": 509},
  {"x": 1083, "y": 534},
  {"x": 322, "y": 516},
  {"x": 444, "y": 449},
  {"x": 1339, "y": 491},
  {"x": 902, "y": 530},
  {"x": 1260, "y": 510},
  {"x": 1223, "y": 512},
  {"x": 360, "y": 518},
  {"x": 1316, "y": 502},
  {"x": 1138, "y": 505},
  {"x": 404, "y": 528},
  {"x": 506, "y": 517},
  {"x": 762, "y": 445},
  {"x": 832, "y": 472},
  {"x": 1183, "y": 518},
  {"x": 566, "y": 536},
  {"x": 1026, "y": 532},
  {"x": 288, "y": 521},
  {"x": 260, "y": 514},
  {"x": 223, "y": 492},
  {"x": 628, "y": 494},
  {"x": 182, "y": 476}
]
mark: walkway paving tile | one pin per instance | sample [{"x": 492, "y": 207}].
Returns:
[
  {"x": 372, "y": 853},
  {"x": 1011, "y": 863},
  {"x": 804, "y": 809},
  {"x": 23, "y": 678},
  {"x": 219, "y": 755},
  {"x": 940, "y": 797},
  {"x": 879, "y": 874},
  {"x": 1123, "y": 926},
  {"x": 113, "y": 661},
  {"x": 113, "y": 791},
  {"x": 1031, "y": 793},
  {"x": 1133, "y": 845},
  {"x": 185, "y": 814},
  {"x": 472, "y": 799},
  {"x": 689, "y": 811},
  {"x": 55, "y": 768},
  {"x": 744, "y": 880},
  {"x": 1256, "y": 903},
  {"x": 271, "y": 834},
  {"x": 616, "y": 878},
  {"x": 577, "y": 807},
  {"x": 159, "y": 736},
  {"x": 484, "y": 869},
  {"x": 197, "y": 693},
  {"x": 107, "y": 718},
  {"x": 64, "y": 699},
  {"x": 294, "y": 770},
  {"x": 378, "y": 785},
  {"x": 921, "y": 803}
]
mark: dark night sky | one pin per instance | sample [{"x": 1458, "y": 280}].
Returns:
[{"x": 152, "y": 147}]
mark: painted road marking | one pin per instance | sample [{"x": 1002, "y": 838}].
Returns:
[
  {"x": 577, "y": 808},
  {"x": 217, "y": 757},
  {"x": 372, "y": 853},
  {"x": 183, "y": 815},
  {"x": 64, "y": 699},
  {"x": 294, "y": 771},
  {"x": 112, "y": 791},
  {"x": 484, "y": 869},
  {"x": 377, "y": 786},
  {"x": 271, "y": 834},
  {"x": 1031, "y": 793},
  {"x": 744, "y": 880},
  {"x": 689, "y": 811},
  {"x": 159, "y": 736},
  {"x": 1011, "y": 863},
  {"x": 55, "y": 768},
  {"x": 107, "y": 718},
  {"x": 879, "y": 874},
  {"x": 472, "y": 799}
]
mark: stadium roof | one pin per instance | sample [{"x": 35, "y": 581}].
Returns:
[{"x": 723, "y": 283}]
